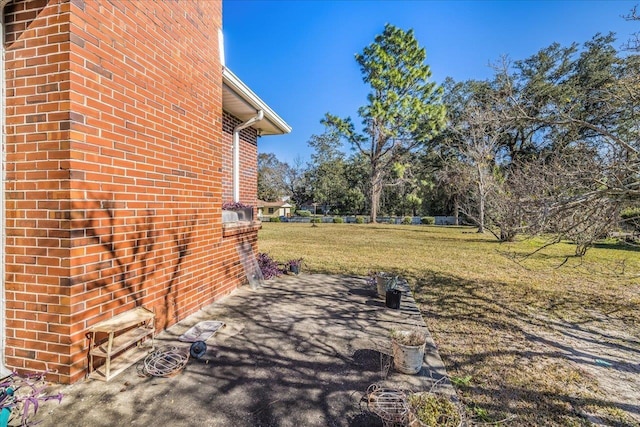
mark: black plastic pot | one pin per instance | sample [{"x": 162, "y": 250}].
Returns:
[{"x": 393, "y": 298}]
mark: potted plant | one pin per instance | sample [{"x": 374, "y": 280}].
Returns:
[
  {"x": 431, "y": 409},
  {"x": 293, "y": 265},
  {"x": 408, "y": 349},
  {"x": 385, "y": 282},
  {"x": 393, "y": 296}
]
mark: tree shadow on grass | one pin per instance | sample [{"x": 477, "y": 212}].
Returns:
[
  {"x": 523, "y": 361},
  {"x": 429, "y": 230},
  {"x": 621, "y": 246}
]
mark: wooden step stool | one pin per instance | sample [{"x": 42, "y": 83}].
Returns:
[{"x": 123, "y": 345}]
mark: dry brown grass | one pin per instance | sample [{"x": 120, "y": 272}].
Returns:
[{"x": 523, "y": 339}]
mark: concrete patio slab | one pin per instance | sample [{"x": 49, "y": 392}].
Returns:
[{"x": 300, "y": 351}]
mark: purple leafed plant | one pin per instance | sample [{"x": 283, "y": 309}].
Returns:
[
  {"x": 229, "y": 206},
  {"x": 371, "y": 279},
  {"x": 268, "y": 266},
  {"x": 23, "y": 393}
]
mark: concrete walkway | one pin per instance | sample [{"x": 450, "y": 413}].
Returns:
[{"x": 301, "y": 351}]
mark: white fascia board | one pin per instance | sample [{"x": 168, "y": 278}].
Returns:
[{"x": 254, "y": 100}]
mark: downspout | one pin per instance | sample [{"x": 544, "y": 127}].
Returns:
[{"x": 236, "y": 152}]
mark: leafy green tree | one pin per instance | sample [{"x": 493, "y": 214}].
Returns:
[
  {"x": 404, "y": 108},
  {"x": 353, "y": 201},
  {"x": 410, "y": 185},
  {"x": 326, "y": 173},
  {"x": 356, "y": 174}
]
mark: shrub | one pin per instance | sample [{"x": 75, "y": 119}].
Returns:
[
  {"x": 303, "y": 212},
  {"x": 275, "y": 219},
  {"x": 359, "y": 220},
  {"x": 429, "y": 220},
  {"x": 407, "y": 220},
  {"x": 268, "y": 266},
  {"x": 632, "y": 217},
  {"x": 338, "y": 220},
  {"x": 434, "y": 410},
  {"x": 316, "y": 220}
]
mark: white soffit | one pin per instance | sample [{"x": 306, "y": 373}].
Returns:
[{"x": 243, "y": 103}]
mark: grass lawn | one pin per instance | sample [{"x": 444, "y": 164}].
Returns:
[{"x": 546, "y": 340}]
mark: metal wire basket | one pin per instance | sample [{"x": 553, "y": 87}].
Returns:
[
  {"x": 389, "y": 404},
  {"x": 166, "y": 361}
]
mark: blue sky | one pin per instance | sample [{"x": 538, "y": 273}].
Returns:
[{"x": 298, "y": 56}]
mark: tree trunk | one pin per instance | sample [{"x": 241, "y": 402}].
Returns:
[
  {"x": 375, "y": 200},
  {"x": 481, "y": 216},
  {"x": 456, "y": 209},
  {"x": 481, "y": 196},
  {"x": 376, "y": 191}
]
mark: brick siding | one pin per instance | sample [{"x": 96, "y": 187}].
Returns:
[{"x": 117, "y": 167}]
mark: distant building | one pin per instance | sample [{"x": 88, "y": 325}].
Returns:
[{"x": 272, "y": 209}]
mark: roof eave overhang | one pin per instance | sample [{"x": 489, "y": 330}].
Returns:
[{"x": 243, "y": 103}]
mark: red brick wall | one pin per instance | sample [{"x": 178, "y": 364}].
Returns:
[
  {"x": 115, "y": 171},
  {"x": 37, "y": 185}
]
